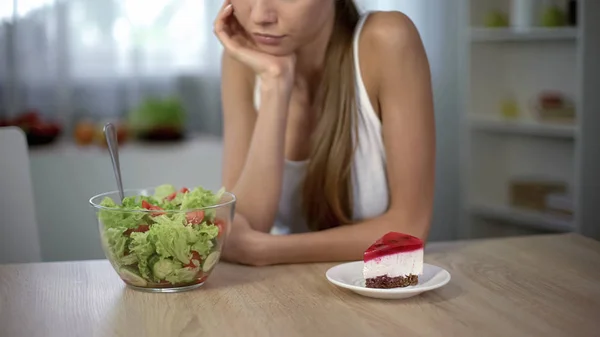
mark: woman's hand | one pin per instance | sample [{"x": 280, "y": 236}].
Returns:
[
  {"x": 238, "y": 44},
  {"x": 244, "y": 245}
]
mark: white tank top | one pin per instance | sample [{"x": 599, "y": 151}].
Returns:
[{"x": 369, "y": 180}]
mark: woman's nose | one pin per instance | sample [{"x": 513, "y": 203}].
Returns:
[{"x": 264, "y": 12}]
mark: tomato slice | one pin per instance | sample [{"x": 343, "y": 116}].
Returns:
[
  {"x": 195, "y": 256},
  {"x": 184, "y": 190},
  {"x": 195, "y": 217},
  {"x": 143, "y": 228},
  {"x": 151, "y": 207},
  {"x": 138, "y": 229},
  {"x": 221, "y": 224},
  {"x": 171, "y": 196}
]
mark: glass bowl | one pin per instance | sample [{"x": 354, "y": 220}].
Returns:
[{"x": 163, "y": 250}]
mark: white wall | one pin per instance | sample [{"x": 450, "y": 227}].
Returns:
[{"x": 442, "y": 49}]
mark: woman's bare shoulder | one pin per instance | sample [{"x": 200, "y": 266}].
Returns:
[
  {"x": 384, "y": 34},
  {"x": 390, "y": 29}
]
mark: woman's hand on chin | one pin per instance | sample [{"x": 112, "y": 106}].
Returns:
[
  {"x": 238, "y": 44},
  {"x": 245, "y": 245}
]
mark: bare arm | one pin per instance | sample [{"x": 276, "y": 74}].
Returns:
[
  {"x": 405, "y": 97},
  {"x": 254, "y": 142},
  {"x": 239, "y": 117}
]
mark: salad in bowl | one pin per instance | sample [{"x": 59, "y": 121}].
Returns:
[{"x": 164, "y": 239}]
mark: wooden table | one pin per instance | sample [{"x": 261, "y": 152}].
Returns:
[{"x": 529, "y": 286}]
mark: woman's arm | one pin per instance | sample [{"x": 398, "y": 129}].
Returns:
[
  {"x": 404, "y": 95},
  {"x": 253, "y": 142},
  {"x": 239, "y": 117},
  {"x": 345, "y": 243},
  {"x": 254, "y": 146}
]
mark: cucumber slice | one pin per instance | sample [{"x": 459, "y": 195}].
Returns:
[
  {"x": 132, "y": 277},
  {"x": 210, "y": 261},
  {"x": 164, "y": 267}
]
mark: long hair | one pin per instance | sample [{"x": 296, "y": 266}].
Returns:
[{"x": 327, "y": 191}]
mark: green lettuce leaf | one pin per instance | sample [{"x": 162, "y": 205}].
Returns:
[
  {"x": 182, "y": 275},
  {"x": 207, "y": 231},
  {"x": 163, "y": 191},
  {"x": 172, "y": 237},
  {"x": 203, "y": 247},
  {"x": 131, "y": 203},
  {"x": 108, "y": 202},
  {"x": 116, "y": 242},
  {"x": 119, "y": 218},
  {"x": 143, "y": 249},
  {"x": 170, "y": 219},
  {"x": 128, "y": 260},
  {"x": 174, "y": 204},
  {"x": 199, "y": 198},
  {"x": 204, "y": 241}
]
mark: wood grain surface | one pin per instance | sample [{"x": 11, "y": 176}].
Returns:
[{"x": 528, "y": 286}]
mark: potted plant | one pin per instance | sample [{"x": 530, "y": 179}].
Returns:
[{"x": 158, "y": 119}]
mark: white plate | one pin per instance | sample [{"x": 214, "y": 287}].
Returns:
[{"x": 350, "y": 276}]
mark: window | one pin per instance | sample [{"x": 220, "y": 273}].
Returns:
[{"x": 110, "y": 38}]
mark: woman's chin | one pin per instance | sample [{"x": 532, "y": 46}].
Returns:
[{"x": 275, "y": 50}]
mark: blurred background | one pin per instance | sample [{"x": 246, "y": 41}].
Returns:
[{"x": 516, "y": 95}]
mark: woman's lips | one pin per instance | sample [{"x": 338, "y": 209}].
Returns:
[{"x": 266, "y": 39}]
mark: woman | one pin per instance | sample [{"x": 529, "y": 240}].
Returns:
[{"x": 328, "y": 129}]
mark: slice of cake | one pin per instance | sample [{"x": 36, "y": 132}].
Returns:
[{"x": 395, "y": 260}]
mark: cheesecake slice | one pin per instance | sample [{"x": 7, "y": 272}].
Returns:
[{"x": 393, "y": 261}]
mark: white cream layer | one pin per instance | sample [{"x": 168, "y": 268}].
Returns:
[{"x": 401, "y": 264}]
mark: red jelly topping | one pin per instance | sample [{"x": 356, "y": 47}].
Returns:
[{"x": 393, "y": 243}]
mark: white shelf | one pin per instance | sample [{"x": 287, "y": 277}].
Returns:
[
  {"x": 496, "y": 63},
  {"x": 533, "y": 34},
  {"x": 522, "y": 127},
  {"x": 523, "y": 217}
]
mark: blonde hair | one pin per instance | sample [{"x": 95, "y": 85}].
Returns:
[{"x": 327, "y": 192}]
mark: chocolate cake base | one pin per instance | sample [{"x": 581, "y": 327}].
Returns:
[{"x": 386, "y": 282}]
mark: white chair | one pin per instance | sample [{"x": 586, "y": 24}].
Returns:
[{"x": 19, "y": 238}]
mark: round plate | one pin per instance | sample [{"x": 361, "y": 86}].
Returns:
[{"x": 350, "y": 276}]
